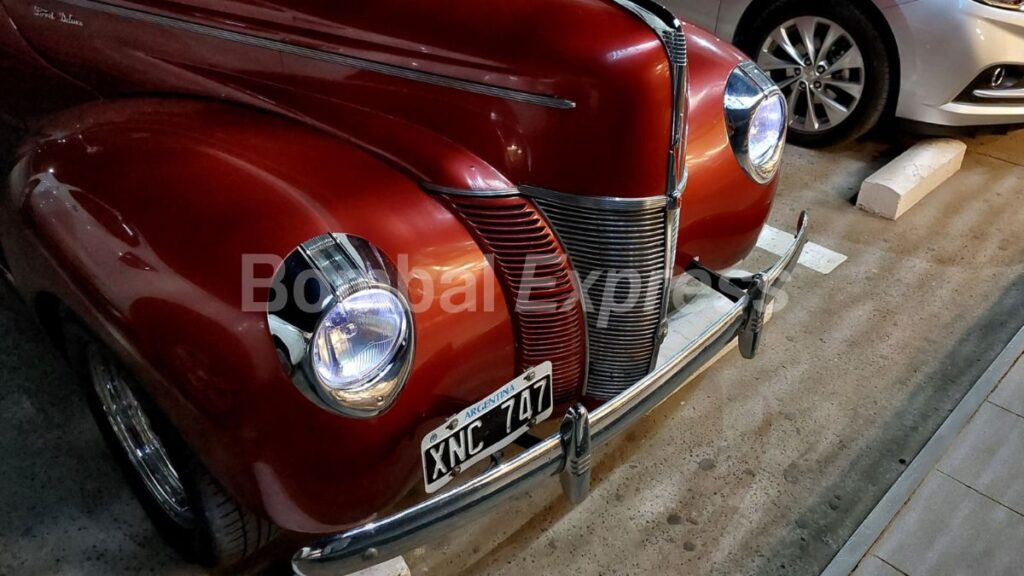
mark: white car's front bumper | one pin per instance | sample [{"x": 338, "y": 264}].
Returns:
[{"x": 944, "y": 45}]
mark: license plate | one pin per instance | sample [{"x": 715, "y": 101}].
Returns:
[{"x": 486, "y": 427}]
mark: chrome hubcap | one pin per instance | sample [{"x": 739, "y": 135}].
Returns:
[
  {"x": 135, "y": 434},
  {"x": 819, "y": 68}
]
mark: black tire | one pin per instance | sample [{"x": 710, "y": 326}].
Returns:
[
  {"x": 880, "y": 65},
  {"x": 221, "y": 532}
]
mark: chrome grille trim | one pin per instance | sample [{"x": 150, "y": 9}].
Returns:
[
  {"x": 675, "y": 45},
  {"x": 605, "y": 236},
  {"x": 537, "y": 280},
  {"x": 602, "y": 203},
  {"x": 669, "y": 30}
]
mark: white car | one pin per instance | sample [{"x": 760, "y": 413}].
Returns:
[{"x": 842, "y": 64}]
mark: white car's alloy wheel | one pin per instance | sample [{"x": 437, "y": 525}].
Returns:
[{"x": 820, "y": 69}]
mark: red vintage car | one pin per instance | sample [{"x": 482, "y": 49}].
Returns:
[{"x": 327, "y": 267}]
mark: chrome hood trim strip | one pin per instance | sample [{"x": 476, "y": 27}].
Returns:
[
  {"x": 596, "y": 202},
  {"x": 603, "y": 238},
  {"x": 485, "y": 193},
  {"x": 669, "y": 30},
  {"x": 331, "y": 57},
  {"x": 656, "y": 15}
]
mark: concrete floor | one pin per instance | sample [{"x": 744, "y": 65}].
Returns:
[
  {"x": 761, "y": 466},
  {"x": 64, "y": 506}
]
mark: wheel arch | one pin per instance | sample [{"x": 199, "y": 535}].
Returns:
[{"x": 135, "y": 215}]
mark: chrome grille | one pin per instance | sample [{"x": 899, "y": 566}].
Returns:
[
  {"x": 534, "y": 272},
  {"x": 675, "y": 45},
  {"x": 620, "y": 251}
]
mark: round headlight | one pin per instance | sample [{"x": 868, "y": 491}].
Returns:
[
  {"x": 766, "y": 129},
  {"x": 342, "y": 325},
  {"x": 755, "y": 117},
  {"x": 358, "y": 338}
]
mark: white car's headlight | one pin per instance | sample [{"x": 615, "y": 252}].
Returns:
[
  {"x": 756, "y": 120},
  {"x": 342, "y": 325}
]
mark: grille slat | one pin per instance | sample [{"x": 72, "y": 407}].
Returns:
[
  {"x": 618, "y": 252},
  {"x": 550, "y": 325},
  {"x": 675, "y": 44},
  {"x": 603, "y": 241}
]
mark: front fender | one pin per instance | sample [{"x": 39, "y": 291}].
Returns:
[
  {"x": 722, "y": 210},
  {"x": 137, "y": 215}
]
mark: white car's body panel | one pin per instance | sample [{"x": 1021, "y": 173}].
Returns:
[{"x": 943, "y": 46}]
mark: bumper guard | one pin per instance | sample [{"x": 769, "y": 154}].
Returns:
[{"x": 567, "y": 453}]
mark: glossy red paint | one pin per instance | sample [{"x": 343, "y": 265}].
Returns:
[
  {"x": 611, "y": 144},
  {"x": 141, "y": 226},
  {"x": 155, "y": 256},
  {"x": 722, "y": 210}
]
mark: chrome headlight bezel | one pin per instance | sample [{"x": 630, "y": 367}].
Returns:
[
  {"x": 747, "y": 89},
  {"x": 330, "y": 269}
]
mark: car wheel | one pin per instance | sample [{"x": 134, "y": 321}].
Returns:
[
  {"x": 831, "y": 64},
  {"x": 189, "y": 508}
]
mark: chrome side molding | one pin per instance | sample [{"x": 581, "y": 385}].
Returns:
[
  {"x": 485, "y": 193},
  {"x": 546, "y": 100}
]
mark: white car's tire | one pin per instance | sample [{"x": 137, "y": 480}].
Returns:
[{"x": 832, "y": 63}]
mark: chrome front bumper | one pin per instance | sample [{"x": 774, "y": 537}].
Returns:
[{"x": 566, "y": 453}]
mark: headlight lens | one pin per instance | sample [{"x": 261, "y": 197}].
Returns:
[
  {"x": 342, "y": 326},
  {"x": 756, "y": 120},
  {"x": 767, "y": 129},
  {"x": 358, "y": 338}
]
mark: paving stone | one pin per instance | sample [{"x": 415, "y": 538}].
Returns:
[
  {"x": 1010, "y": 392},
  {"x": 947, "y": 529},
  {"x": 989, "y": 456},
  {"x": 872, "y": 566}
]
